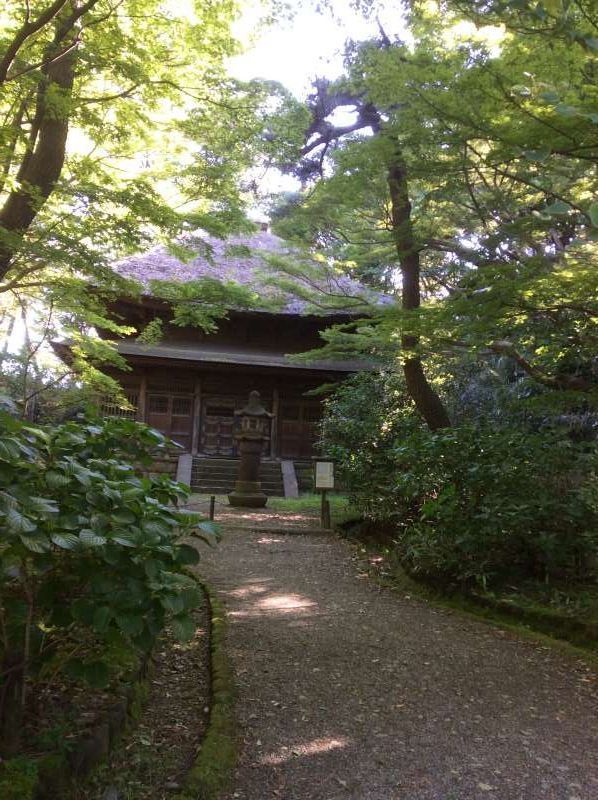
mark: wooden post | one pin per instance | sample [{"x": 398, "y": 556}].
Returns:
[
  {"x": 142, "y": 401},
  {"x": 212, "y": 506},
  {"x": 324, "y": 480},
  {"x": 325, "y": 511},
  {"x": 274, "y": 425},
  {"x": 196, "y": 422}
]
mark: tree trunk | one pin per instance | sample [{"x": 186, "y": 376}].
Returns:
[
  {"x": 42, "y": 166},
  {"x": 426, "y": 400},
  {"x": 11, "y": 708}
]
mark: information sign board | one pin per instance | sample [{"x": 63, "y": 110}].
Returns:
[{"x": 324, "y": 475}]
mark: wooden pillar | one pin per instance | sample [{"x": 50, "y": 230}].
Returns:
[
  {"x": 142, "y": 401},
  {"x": 274, "y": 425},
  {"x": 196, "y": 416}
]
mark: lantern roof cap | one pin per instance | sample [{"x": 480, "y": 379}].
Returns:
[{"x": 254, "y": 407}]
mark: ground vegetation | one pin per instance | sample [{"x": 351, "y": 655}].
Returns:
[{"x": 93, "y": 559}]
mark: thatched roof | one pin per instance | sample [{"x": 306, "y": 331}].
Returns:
[{"x": 255, "y": 261}]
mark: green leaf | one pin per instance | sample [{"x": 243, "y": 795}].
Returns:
[
  {"x": 152, "y": 568},
  {"x": 96, "y": 674},
  {"x": 37, "y": 543},
  {"x": 593, "y": 212},
  {"x": 153, "y": 527},
  {"x": 191, "y": 597},
  {"x": 125, "y": 541},
  {"x": 537, "y": 155},
  {"x": 549, "y": 97},
  {"x": 130, "y": 624},
  {"x": 83, "y": 610},
  {"x": 101, "y": 618},
  {"x": 44, "y": 505},
  {"x": 74, "y": 668},
  {"x": 183, "y": 628},
  {"x": 91, "y": 539},
  {"x": 558, "y": 207},
  {"x": 173, "y": 603},
  {"x": 66, "y": 541},
  {"x": 566, "y": 111},
  {"x": 57, "y": 480},
  {"x": 186, "y": 554},
  {"x": 18, "y": 523},
  {"x": 209, "y": 527},
  {"x": 124, "y": 517}
]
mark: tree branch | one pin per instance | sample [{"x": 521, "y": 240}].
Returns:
[
  {"x": 563, "y": 383},
  {"x": 26, "y": 30}
]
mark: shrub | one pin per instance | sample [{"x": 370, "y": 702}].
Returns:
[
  {"x": 472, "y": 504},
  {"x": 91, "y": 552}
]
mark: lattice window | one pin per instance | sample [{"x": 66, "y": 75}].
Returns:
[
  {"x": 109, "y": 408},
  {"x": 157, "y": 404},
  {"x": 181, "y": 406}
]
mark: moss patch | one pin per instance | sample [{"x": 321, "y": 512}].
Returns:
[
  {"x": 18, "y": 779},
  {"x": 217, "y": 756}
]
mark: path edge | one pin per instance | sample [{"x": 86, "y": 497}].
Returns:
[{"x": 214, "y": 764}]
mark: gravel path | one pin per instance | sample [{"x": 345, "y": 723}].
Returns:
[{"x": 349, "y": 692}]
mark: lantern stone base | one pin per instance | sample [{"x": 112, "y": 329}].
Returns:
[{"x": 248, "y": 494}]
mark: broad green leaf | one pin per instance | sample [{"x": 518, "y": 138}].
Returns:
[
  {"x": 173, "y": 603},
  {"x": 66, "y": 541},
  {"x": 17, "y": 522},
  {"x": 550, "y": 97},
  {"x": 96, "y": 674},
  {"x": 192, "y": 598},
  {"x": 130, "y": 624},
  {"x": 152, "y": 568},
  {"x": 566, "y": 110},
  {"x": 9, "y": 450},
  {"x": 101, "y": 618},
  {"x": 537, "y": 155},
  {"x": 37, "y": 543},
  {"x": 124, "y": 517},
  {"x": 44, "y": 505},
  {"x": 125, "y": 541},
  {"x": 593, "y": 212},
  {"x": 56, "y": 480},
  {"x": 208, "y": 526},
  {"x": 558, "y": 207},
  {"x": 186, "y": 554},
  {"x": 83, "y": 610},
  {"x": 184, "y": 628},
  {"x": 91, "y": 539}
]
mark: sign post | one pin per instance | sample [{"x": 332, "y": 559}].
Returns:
[{"x": 324, "y": 480}]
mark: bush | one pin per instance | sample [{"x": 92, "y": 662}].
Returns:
[
  {"x": 473, "y": 504},
  {"x": 91, "y": 553}
]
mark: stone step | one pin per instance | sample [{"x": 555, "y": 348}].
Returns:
[
  {"x": 227, "y": 489},
  {"x": 218, "y": 476},
  {"x": 265, "y": 469}
]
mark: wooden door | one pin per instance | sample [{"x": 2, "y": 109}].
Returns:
[
  {"x": 218, "y": 420},
  {"x": 172, "y": 415},
  {"x": 299, "y": 428}
]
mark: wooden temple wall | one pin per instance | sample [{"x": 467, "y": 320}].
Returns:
[{"x": 196, "y": 407}]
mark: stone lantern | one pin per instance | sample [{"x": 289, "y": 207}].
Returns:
[{"x": 253, "y": 431}]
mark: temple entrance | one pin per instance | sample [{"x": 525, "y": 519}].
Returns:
[
  {"x": 299, "y": 428},
  {"x": 217, "y": 424}
]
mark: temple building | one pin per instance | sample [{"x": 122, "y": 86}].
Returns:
[{"x": 189, "y": 383}]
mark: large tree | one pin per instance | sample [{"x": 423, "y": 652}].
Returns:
[
  {"x": 96, "y": 156},
  {"x": 471, "y": 156}
]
